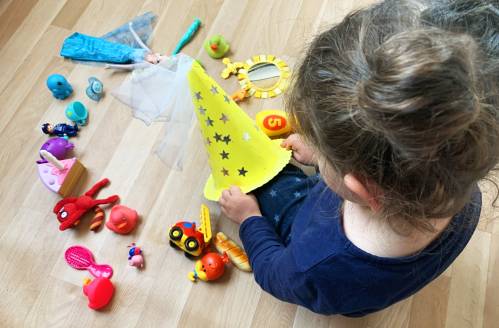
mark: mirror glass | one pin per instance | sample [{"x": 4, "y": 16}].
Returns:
[{"x": 264, "y": 75}]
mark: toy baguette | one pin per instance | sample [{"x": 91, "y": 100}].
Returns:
[{"x": 235, "y": 253}]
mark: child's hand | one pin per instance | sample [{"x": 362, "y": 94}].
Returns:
[
  {"x": 301, "y": 151},
  {"x": 238, "y": 206}
]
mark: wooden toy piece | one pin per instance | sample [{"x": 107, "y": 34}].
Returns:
[
  {"x": 98, "y": 219},
  {"x": 236, "y": 254},
  {"x": 240, "y": 95},
  {"x": 192, "y": 241},
  {"x": 216, "y": 46},
  {"x": 60, "y": 176},
  {"x": 273, "y": 122},
  {"x": 99, "y": 291},
  {"x": 122, "y": 219},
  {"x": 210, "y": 267}
]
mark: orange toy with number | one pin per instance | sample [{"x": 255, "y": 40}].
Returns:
[{"x": 273, "y": 122}]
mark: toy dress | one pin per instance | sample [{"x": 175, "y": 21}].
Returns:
[
  {"x": 124, "y": 45},
  {"x": 161, "y": 93}
]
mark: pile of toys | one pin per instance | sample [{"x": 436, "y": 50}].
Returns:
[
  {"x": 195, "y": 243},
  {"x": 61, "y": 172}
]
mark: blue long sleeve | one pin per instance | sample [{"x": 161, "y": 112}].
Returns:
[
  {"x": 273, "y": 264},
  {"x": 320, "y": 269}
]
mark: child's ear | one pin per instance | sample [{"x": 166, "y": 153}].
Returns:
[{"x": 358, "y": 188}]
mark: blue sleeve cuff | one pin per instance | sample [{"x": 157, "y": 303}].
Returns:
[{"x": 253, "y": 224}]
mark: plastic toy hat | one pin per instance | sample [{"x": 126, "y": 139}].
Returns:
[{"x": 239, "y": 152}]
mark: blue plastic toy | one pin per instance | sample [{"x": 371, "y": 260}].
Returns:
[
  {"x": 95, "y": 89},
  {"x": 77, "y": 112},
  {"x": 187, "y": 36},
  {"x": 59, "y": 86}
]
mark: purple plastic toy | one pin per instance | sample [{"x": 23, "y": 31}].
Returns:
[{"x": 59, "y": 147}]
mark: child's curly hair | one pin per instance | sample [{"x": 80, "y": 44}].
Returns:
[{"x": 406, "y": 96}]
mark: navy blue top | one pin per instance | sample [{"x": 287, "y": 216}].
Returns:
[{"x": 323, "y": 271}]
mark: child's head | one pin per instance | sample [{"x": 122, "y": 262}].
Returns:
[{"x": 406, "y": 101}]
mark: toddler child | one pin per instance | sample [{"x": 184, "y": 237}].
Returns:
[{"x": 397, "y": 106}]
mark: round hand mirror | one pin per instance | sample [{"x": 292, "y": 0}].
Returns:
[{"x": 263, "y": 76}]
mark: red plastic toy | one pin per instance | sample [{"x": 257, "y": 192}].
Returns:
[
  {"x": 122, "y": 219},
  {"x": 192, "y": 241},
  {"x": 71, "y": 209},
  {"x": 210, "y": 267},
  {"x": 99, "y": 291}
]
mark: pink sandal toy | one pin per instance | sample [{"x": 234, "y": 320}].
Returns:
[{"x": 81, "y": 258}]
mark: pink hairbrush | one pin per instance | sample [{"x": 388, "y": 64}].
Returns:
[{"x": 80, "y": 258}]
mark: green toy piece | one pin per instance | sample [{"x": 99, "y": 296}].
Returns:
[{"x": 216, "y": 46}]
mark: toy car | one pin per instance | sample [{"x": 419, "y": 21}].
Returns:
[{"x": 192, "y": 241}]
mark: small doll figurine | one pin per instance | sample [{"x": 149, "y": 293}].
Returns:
[
  {"x": 60, "y": 130},
  {"x": 88, "y": 48},
  {"x": 135, "y": 257}
]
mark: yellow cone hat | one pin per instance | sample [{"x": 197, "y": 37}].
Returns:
[{"x": 239, "y": 153}]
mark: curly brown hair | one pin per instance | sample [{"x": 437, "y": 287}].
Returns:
[{"x": 406, "y": 96}]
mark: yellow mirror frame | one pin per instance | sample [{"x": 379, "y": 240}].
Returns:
[{"x": 241, "y": 69}]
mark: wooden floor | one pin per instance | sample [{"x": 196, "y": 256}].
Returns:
[{"x": 38, "y": 289}]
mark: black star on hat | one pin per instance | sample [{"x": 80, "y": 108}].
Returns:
[
  {"x": 209, "y": 121},
  {"x": 242, "y": 171},
  {"x": 224, "y": 154},
  {"x": 224, "y": 118},
  {"x": 218, "y": 137}
]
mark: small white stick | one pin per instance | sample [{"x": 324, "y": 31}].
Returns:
[
  {"x": 127, "y": 67},
  {"x": 137, "y": 38},
  {"x": 51, "y": 158}
]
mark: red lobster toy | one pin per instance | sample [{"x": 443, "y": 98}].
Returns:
[{"x": 71, "y": 209}]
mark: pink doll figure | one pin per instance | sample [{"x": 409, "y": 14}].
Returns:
[{"x": 135, "y": 257}]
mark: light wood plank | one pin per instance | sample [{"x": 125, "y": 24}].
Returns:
[
  {"x": 12, "y": 17},
  {"x": 26, "y": 36},
  {"x": 491, "y": 313},
  {"x": 429, "y": 306},
  {"x": 70, "y": 13},
  {"x": 469, "y": 281}
]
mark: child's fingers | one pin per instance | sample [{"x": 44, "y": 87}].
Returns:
[
  {"x": 224, "y": 198},
  {"x": 287, "y": 144},
  {"x": 226, "y": 194},
  {"x": 235, "y": 191}
]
